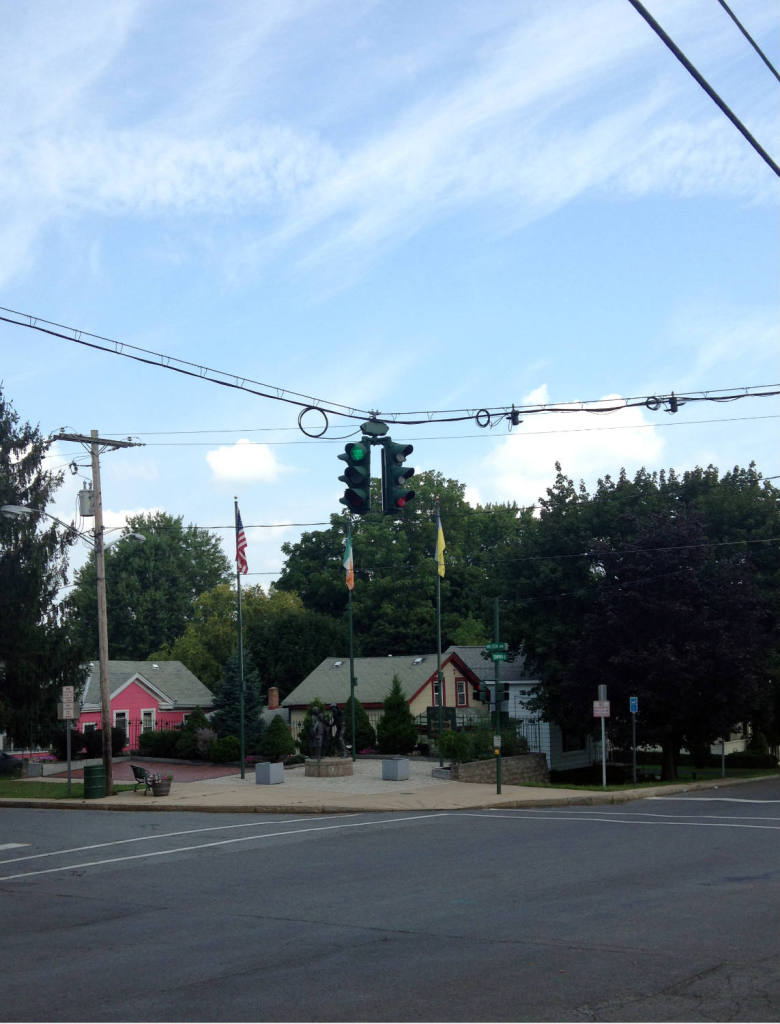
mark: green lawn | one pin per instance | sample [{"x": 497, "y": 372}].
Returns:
[{"x": 21, "y": 789}]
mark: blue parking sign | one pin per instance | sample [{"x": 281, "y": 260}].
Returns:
[{"x": 633, "y": 705}]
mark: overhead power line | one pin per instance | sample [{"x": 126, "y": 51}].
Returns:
[
  {"x": 749, "y": 38},
  {"x": 670, "y": 43},
  {"x": 487, "y": 416}
]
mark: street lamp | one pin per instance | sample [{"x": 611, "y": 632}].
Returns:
[{"x": 17, "y": 511}]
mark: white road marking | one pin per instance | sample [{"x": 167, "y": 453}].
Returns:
[
  {"x": 715, "y": 799},
  {"x": 221, "y": 842},
  {"x": 12, "y": 846},
  {"x": 619, "y": 821},
  {"x": 150, "y": 838}
]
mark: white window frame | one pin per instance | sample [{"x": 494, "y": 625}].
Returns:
[
  {"x": 152, "y": 712},
  {"x": 460, "y": 693}
]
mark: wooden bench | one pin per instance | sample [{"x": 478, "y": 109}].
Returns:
[{"x": 142, "y": 778}]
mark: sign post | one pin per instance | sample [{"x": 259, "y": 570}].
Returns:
[
  {"x": 601, "y": 710},
  {"x": 633, "y": 707},
  {"x": 68, "y": 713}
]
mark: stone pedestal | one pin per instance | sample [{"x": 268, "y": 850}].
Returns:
[
  {"x": 395, "y": 769},
  {"x": 328, "y": 767},
  {"x": 269, "y": 773}
]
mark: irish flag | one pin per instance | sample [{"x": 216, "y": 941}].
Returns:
[{"x": 349, "y": 567}]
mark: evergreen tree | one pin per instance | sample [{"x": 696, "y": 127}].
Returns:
[
  {"x": 365, "y": 736},
  {"x": 396, "y": 731},
  {"x": 36, "y": 659},
  {"x": 227, "y": 704},
  {"x": 277, "y": 742}
]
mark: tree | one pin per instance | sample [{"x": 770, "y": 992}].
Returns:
[
  {"x": 151, "y": 587},
  {"x": 35, "y": 658},
  {"x": 658, "y": 587},
  {"x": 227, "y": 704},
  {"x": 365, "y": 736},
  {"x": 396, "y": 732},
  {"x": 394, "y": 599},
  {"x": 277, "y": 742}
]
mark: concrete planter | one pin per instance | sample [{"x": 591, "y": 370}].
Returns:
[
  {"x": 269, "y": 773},
  {"x": 395, "y": 769}
]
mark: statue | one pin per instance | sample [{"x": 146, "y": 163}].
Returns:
[
  {"x": 316, "y": 734},
  {"x": 337, "y": 731}
]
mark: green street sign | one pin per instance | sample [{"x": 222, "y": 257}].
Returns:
[
  {"x": 499, "y": 655},
  {"x": 497, "y": 645}
]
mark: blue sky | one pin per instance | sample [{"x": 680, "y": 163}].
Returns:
[{"x": 386, "y": 205}]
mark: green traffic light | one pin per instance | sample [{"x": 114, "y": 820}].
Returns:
[{"x": 357, "y": 452}]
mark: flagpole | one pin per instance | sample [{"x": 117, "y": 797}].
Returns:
[
  {"x": 240, "y": 658},
  {"x": 351, "y": 651},
  {"x": 438, "y": 637}
]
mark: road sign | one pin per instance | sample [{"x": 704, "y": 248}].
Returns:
[
  {"x": 497, "y": 645},
  {"x": 633, "y": 705},
  {"x": 68, "y": 693},
  {"x": 499, "y": 655},
  {"x": 601, "y": 709}
]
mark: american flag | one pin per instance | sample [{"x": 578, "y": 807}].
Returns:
[{"x": 241, "y": 563}]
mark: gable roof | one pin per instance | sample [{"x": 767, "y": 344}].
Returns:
[
  {"x": 330, "y": 679},
  {"x": 170, "y": 682},
  {"x": 511, "y": 671}
]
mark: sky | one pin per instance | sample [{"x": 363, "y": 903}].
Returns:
[{"x": 431, "y": 208}]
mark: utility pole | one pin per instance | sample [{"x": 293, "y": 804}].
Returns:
[{"x": 95, "y": 443}]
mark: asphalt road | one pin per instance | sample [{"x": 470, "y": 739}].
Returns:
[{"x": 663, "y": 909}]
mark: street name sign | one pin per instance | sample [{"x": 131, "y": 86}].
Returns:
[{"x": 497, "y": 645}]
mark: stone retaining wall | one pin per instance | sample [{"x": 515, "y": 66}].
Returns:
[{"x": 523, "y": 770}]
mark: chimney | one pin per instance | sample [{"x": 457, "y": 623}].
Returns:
[{"x": 273, "y": 698}]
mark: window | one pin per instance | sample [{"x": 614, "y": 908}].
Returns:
[
  {"x": 460, "y": 695},
  {"x": 147, "y": 720},
  {"x": 436, "y": 694},
  {"x": 89, "y": 727},
  {"x": 120, "y": 720}
]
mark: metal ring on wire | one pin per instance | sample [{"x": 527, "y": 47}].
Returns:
[
  {"x": 312, "y": 408},
  {"x": 482, "y": 419},
  {"x": 653, "y": 403}
]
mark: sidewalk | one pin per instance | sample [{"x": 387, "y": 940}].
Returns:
[{"x": 364, "y": 791}]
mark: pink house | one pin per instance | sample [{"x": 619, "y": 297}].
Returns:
[{"x": 144, "y": 695}]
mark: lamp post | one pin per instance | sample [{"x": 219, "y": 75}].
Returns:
[{"x": 17, "y": 511}]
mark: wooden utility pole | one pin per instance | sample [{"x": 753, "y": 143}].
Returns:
[{"x": 95, "y": 444}]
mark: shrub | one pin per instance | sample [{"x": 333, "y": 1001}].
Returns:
[
  {"x": 93, "y": 742},
  {"x": 750, "y": 759},
  {"x": 276, "y": 742},
  {"x": 187, "y": 745},
  {"x": 396, "y": 732},
  {"x": 455, "y": 746},
  {"x": 59, "y": 743},
  {"x": 228, "y": 748},
  {"x": 160, "y": 743},
  {"x": 365, "y": 736},
  {"x": 477, "y": 744}
]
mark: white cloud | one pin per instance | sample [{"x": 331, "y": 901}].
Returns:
[
  {"x": 587, "y": 445},
  {"x": 245, "y": 460}
]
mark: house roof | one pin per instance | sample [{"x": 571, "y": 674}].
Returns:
[
  {"x": 330, "y": 679},
  {"x": 170, "y": 681},
  {"x": 483, "y": 668}
]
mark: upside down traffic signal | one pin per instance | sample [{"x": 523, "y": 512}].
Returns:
[
  {"x": 357, "y": 477},
  {"x": 395, "y": 489},
  {"x": 481, "y": 693}
]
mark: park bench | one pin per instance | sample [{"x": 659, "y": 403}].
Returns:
[{"x": 142, "y": 778}]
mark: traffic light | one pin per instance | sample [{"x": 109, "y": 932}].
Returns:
[
  {"x": 357, "y": 477},
  {"x": 395, "y": 489},
  {"x": 481, "y": 693}
]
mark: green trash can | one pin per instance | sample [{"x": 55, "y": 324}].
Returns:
[{"x": 94, "y": 781}]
